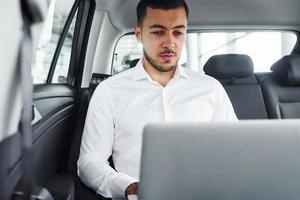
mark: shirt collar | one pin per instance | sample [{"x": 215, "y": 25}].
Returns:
[
  {"x": 181, "y": 72},
  {"x": 141, "y": 74}
]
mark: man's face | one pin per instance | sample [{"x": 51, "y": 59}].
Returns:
[{"x": 162, "y": 35}]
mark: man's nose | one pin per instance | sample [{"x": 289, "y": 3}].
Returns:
[{"x": 169, "y": 42}]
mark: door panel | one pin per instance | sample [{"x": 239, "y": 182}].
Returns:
[{"x": 53, "y": 132}]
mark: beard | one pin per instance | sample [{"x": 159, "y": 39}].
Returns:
[{"x": 158, "y": 67}]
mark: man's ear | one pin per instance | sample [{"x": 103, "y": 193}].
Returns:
[{"x": 138, "y": 33}]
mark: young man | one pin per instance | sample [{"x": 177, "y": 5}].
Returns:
[{"x": 156, "y": 90}]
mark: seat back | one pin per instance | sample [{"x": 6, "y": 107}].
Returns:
[
  {"x": 282, "y": 88},
  {"x": 81, "y": 191},
  {"x": 235, "y": 73}
]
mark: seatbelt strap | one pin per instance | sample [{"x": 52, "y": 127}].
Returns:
[
  {"x": 29, "y": 16},
  {"x": 24, "y": 64},
  {"x": 31, "y": 13}
]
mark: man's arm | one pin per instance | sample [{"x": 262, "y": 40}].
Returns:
[
  {"x": 223, "y": 107},
  {"x": 96, "y": 147}
]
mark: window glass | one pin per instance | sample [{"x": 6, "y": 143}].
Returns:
[
  {"x": 265, "y": 48},
  {"x": 53, "y": 27},
  {"x": 126, "y": 50},
  {"x": 62, "y": 66}
]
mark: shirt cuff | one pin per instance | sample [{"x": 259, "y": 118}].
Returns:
[{"x": 121, "y": 182}]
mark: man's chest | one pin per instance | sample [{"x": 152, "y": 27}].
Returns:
[{"x": 143, "y": 107}]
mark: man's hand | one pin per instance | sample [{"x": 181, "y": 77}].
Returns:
[{"x": 132, "y": 189}]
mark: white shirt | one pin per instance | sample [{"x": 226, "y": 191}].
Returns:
[{"x": 120, "y": 108}]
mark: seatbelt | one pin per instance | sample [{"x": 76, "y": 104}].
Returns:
[
  {"x": 30, "y": 15},
  {"x": 27, "y": 90},
  {"x": 24, "y": 71}
]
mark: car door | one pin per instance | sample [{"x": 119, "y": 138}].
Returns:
[
  {"x": 53, "y": 97},
  {"x": 57, "y": 69}
]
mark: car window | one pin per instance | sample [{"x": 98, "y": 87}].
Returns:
[
  {"x": 264, "y": 47},
  {"x": 54, "y": 24}
]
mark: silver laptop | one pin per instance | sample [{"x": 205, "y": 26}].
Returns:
[{"x": 250, "y": 160}]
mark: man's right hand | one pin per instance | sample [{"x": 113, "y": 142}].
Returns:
[{"x": 132, "y": 189}]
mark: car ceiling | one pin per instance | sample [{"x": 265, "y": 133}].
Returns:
[{"x": 214, "y": 13}]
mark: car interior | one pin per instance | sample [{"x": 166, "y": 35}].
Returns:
[{"x": 76, "y": 44}]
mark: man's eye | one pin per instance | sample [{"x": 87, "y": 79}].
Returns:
[
  {"x": 158, "y": 33},
  {"x": 178, "y": 33}
]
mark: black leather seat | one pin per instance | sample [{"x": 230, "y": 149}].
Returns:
[
  {"x": 282, "y": 89},
  {"x": 133, "y": 63},
  {"x": 235, "y": 73},
  {"x": 81, "y": 191}
]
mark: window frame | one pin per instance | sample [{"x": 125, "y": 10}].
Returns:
[
  {"x": 82, "y": 30},
  {"x": 61, "y": 42},
  {"x": 114, "y": 50},
  {"x": 85, "y": 12}
]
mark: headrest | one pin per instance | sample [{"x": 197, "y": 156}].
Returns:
[
  {"x": 229, "y": 66},
  {"x": 288, "y": 69},
  {"x": 133, "y": 63}
]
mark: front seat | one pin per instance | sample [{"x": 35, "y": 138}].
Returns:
[{"x": 282, "y": 88}]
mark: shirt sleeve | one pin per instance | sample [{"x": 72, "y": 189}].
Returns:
[
  {"x": 224, "y": 111},
  {"x": 96, "y": 147}
]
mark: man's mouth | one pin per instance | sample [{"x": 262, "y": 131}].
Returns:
[{"x": 167, "y": 56}]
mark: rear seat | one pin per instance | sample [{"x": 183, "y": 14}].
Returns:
[
  {"x": 81, "y": 191},
  {"x": 282, "y": 89},
  {"x": 235, "y": 73}
]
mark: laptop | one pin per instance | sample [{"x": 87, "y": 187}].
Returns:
[{"x": 249, "y": 160}]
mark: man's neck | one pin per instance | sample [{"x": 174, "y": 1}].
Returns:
[{"x": 161, "y": 77}]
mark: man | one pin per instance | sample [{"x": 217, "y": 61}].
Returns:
[{"x": 156, "y": 90}]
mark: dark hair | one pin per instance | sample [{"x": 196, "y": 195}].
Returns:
[{"x": 141, "y": 8}]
